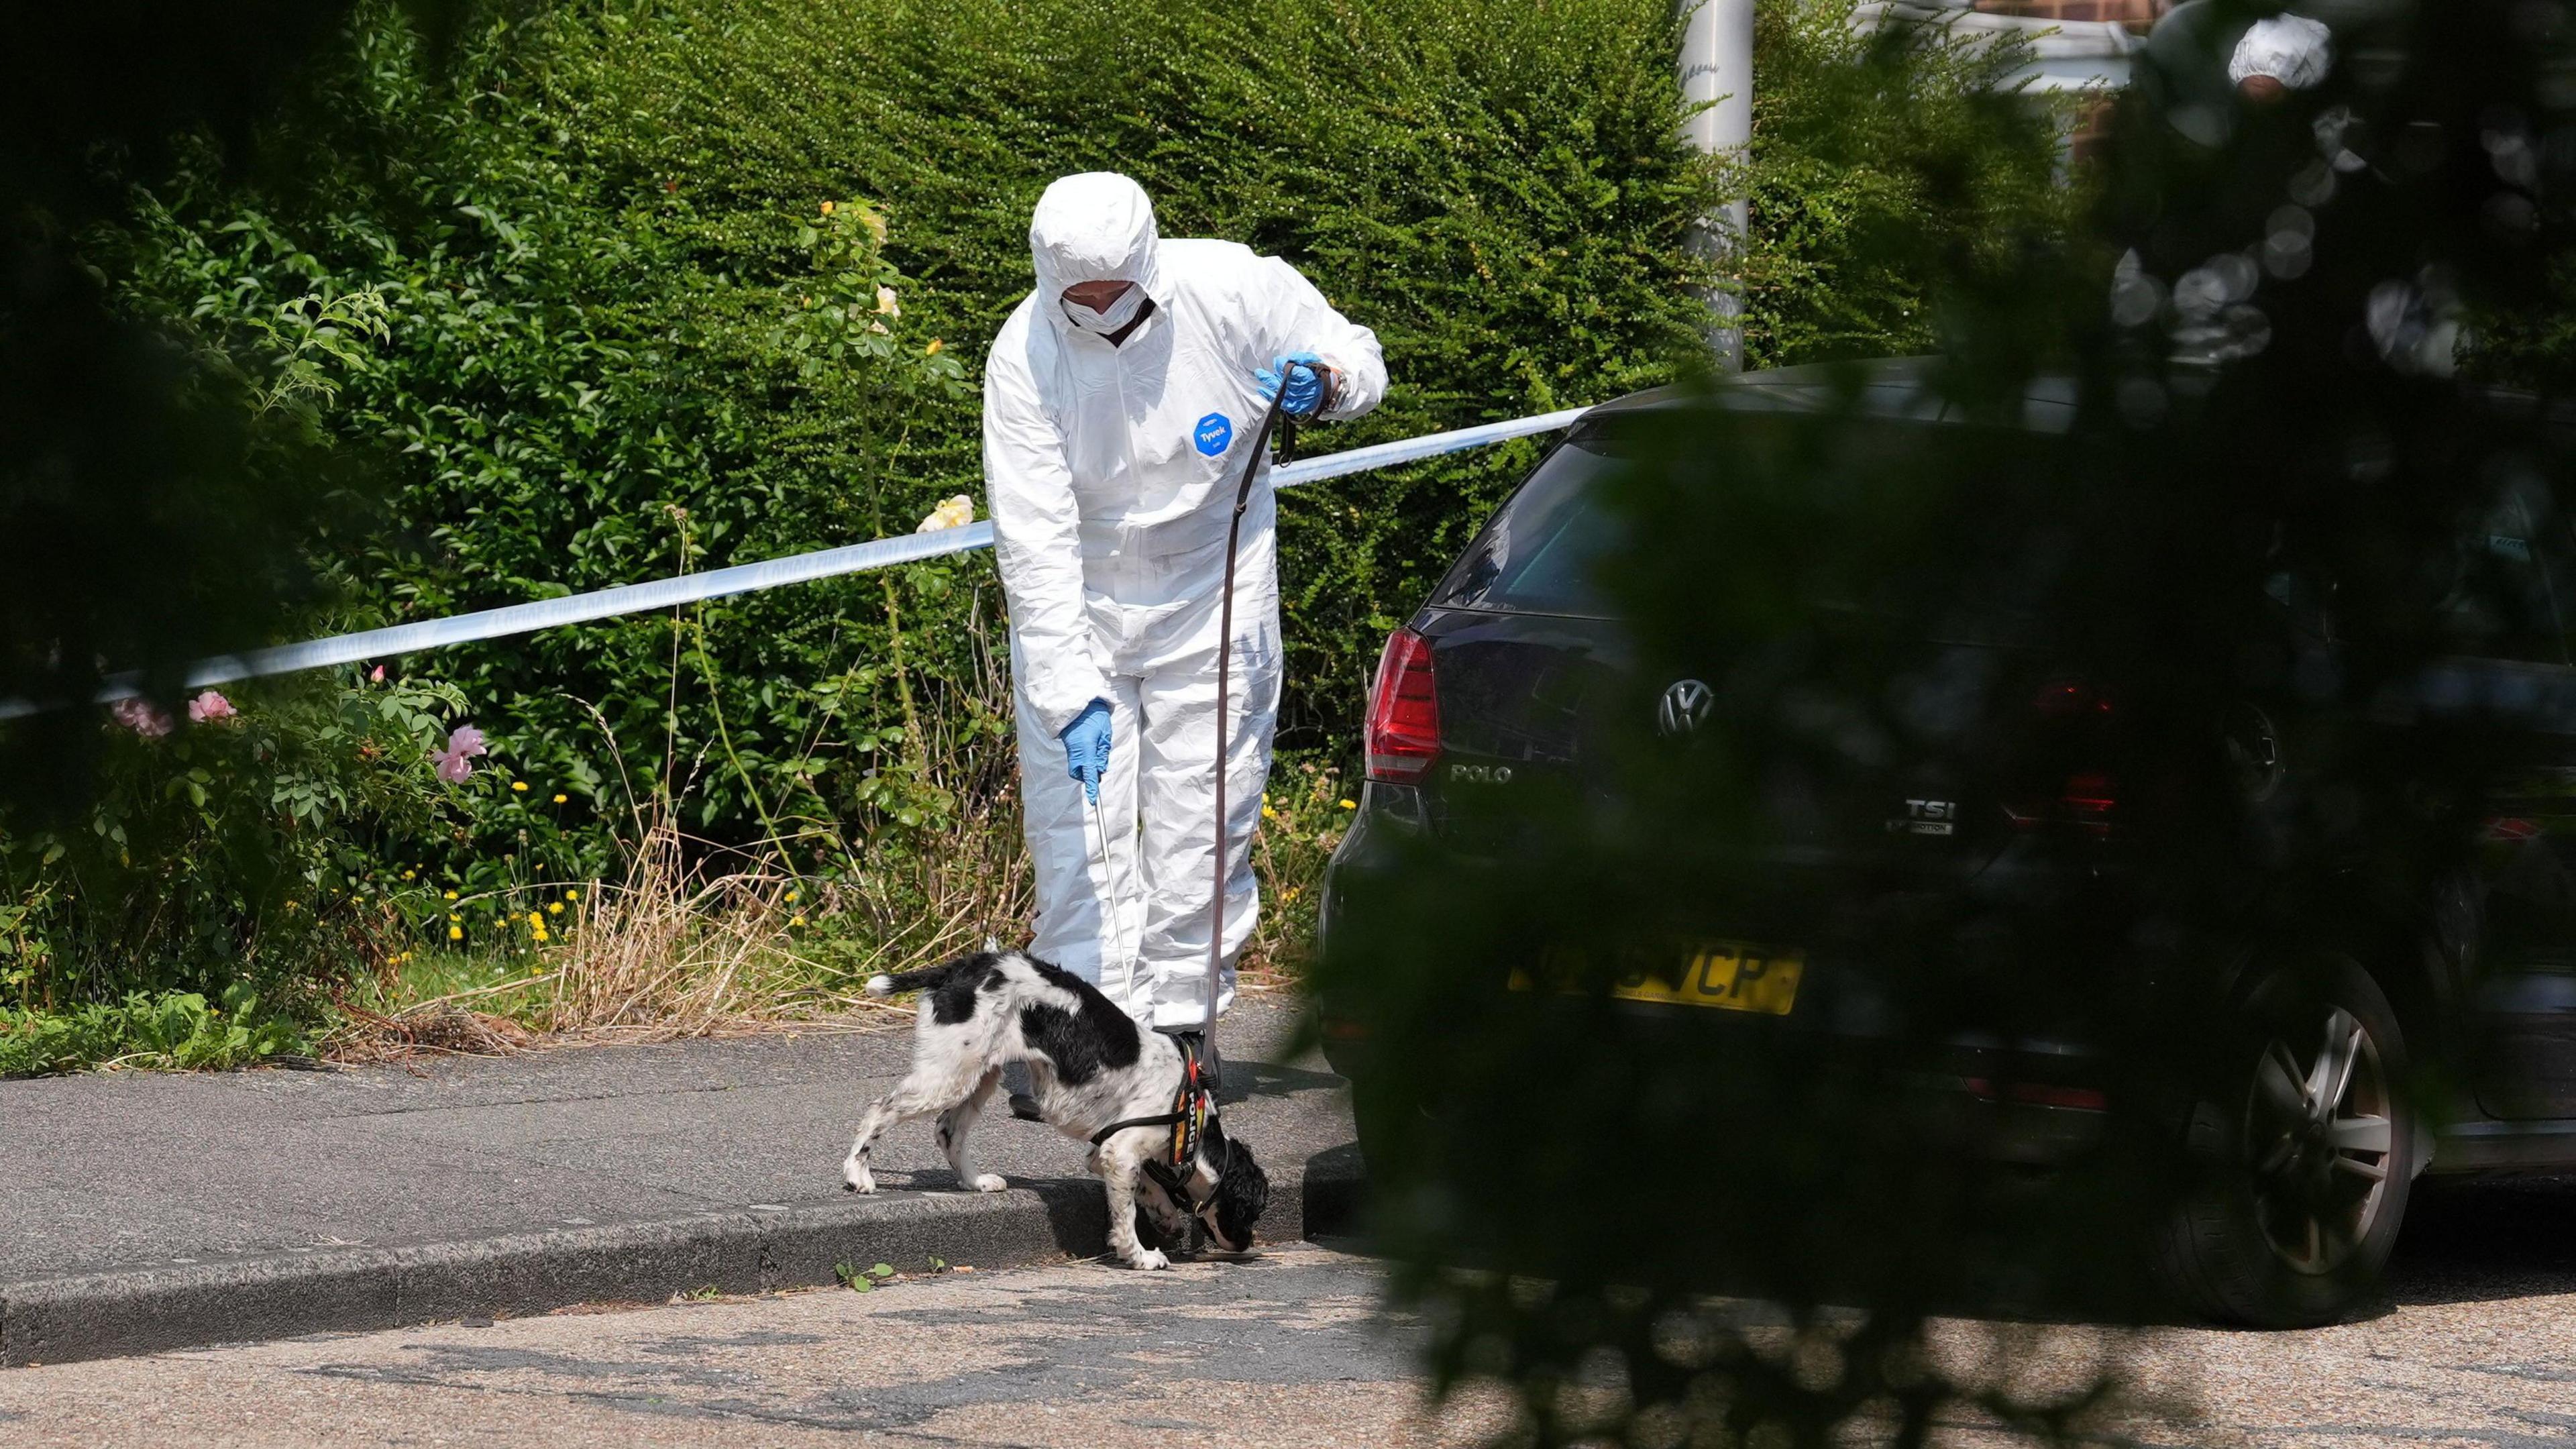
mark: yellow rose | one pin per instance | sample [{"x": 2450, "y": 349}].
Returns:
[{"x": 954, "y": 512}]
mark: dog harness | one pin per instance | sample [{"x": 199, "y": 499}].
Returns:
[{"x": 1193, "y": 1111}]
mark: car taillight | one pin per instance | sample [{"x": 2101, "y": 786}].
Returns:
[
  {"x": 1404, "y": 712},
  {"x": 2088, "y": 802},
  {"x": 2087, "y": 805},
  {"x": 2070, "y": 791}
]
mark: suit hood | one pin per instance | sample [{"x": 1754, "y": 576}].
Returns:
[{"x": 1097, "y": 226}]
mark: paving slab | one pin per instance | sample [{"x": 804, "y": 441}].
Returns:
[{"x": 150, "y": 1211}]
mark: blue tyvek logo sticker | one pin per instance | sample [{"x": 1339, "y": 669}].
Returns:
[{"x": 1213, "y": 433}]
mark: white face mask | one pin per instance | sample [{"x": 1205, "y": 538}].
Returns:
[{"x": 1118, "y": 314}]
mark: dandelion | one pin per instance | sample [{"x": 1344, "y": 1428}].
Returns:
[
  {"x": 451, "y": 895},
  {"x": 1269, "y": 814},
  {"x": 572, "y": 895},
  {"x": 457, "y": 760},
  {"x": 518, "y": 787},
  {"x": 1347, "y": 805},
  {"x": 407, "y": 875},
  {"x": 537, "y": 920},
  {"x": 209, "y": 708},
  {"x": 886, "y": 304},
  {"x": 141, "y": 716},
  {"x": 456, "y": 933},
  {"x": 795, "y": 920},
  {"x": 559, "y": 799},
  {"x": 542, "y": 937},
  {"x": 955, "y": 512},
  {"x": 553, "y": 908},
  {"x": 791, "y": 898}
]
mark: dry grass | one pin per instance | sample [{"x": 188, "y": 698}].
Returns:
[
  {"x": 675, "y": 949},
  {"x": 695, "y": 940},
  {"x": 1304, "y": 815}
]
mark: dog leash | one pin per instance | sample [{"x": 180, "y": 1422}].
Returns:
[{"x": 1277, "y": 421}]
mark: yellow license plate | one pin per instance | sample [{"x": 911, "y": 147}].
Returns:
[{"x": 1730, "y": 978}]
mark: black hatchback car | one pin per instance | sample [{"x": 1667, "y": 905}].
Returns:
[{"x": 1472, "y": 701}]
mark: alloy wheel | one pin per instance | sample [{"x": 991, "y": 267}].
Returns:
[{"x": 2319, "y": 1139}]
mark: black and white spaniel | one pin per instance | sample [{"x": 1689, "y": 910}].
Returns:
[{"x": 1091, "y": 1069}]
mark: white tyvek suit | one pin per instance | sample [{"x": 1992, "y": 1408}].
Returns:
[{"x": 1110, "y": 472}]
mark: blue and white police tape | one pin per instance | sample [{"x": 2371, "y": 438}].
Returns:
[{"x": 745, "y": 578}]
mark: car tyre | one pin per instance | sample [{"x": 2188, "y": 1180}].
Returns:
[{"x": 2302, "y": 1146}]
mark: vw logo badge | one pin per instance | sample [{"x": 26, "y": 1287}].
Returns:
[{"x": 1685, "y": 705}]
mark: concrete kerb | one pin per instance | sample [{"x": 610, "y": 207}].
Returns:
[{"x": 150, "y": 1310}]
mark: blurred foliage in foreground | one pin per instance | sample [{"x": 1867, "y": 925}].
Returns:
[
  {"x": 2170, "y": 636},
  {"x": 148, "y": 511},
  {"x": 157, "y": 505}
]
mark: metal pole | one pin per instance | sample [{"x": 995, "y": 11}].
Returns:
[{"x": 1717, "y": 67}]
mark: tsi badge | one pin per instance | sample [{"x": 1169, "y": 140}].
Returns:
[
  {"x": 1213, "y": 433},
  {"x": 1927, "y": 817}
]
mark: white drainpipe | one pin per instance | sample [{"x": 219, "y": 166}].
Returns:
[{"x": 1717, "y": 65}]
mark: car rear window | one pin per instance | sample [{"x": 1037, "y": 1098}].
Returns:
[
  {"x": 1536, "y": 554},
  {"x": 1960, "y": 579}
]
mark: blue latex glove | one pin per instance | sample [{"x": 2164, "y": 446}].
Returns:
[
  {"x": 1086, "y": 747},
  {"x": 1305, "y": 372}
]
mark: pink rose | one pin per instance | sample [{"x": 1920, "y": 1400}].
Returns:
[
  {"x": 455, "y": 762},
  {"x": 376, "y": 675},
  {"x": 141, "y": 716},
  {"x": 210, "y": 707}
]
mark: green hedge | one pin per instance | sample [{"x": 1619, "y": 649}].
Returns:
[
  {"x": 621, "y": 323},
  {"x": 1497, "y": 187},
  {"x": 1895, "y": 174}
]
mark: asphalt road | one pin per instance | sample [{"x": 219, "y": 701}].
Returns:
[
  {"x": 143, "y": 1170},
  {"x": 1280, "y": 1350},
  {"x": 2476, "y": 1345}
]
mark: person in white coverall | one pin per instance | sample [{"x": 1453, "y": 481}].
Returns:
[{"x": 1119, "y": 401}]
